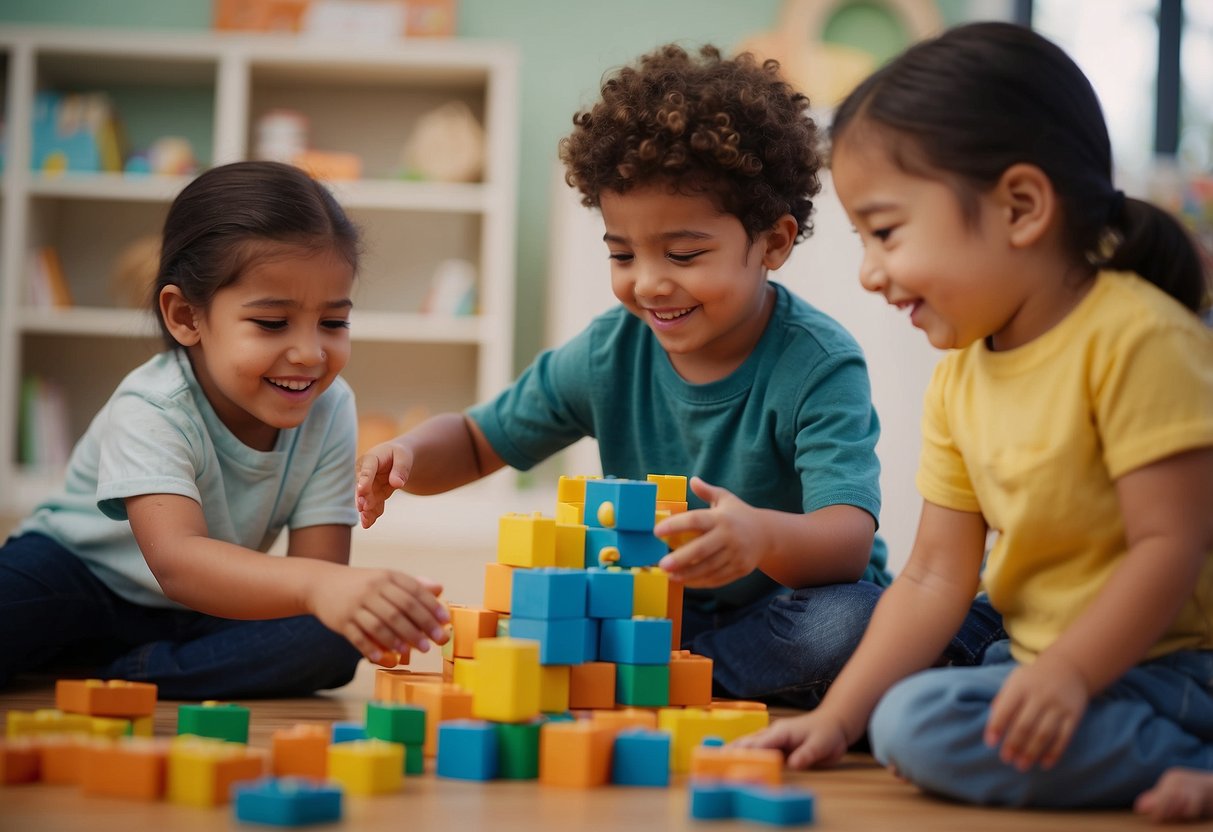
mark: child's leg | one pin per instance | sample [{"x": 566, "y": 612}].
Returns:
[
  {"x": 1181, "y": 794},
  {"x": 929, "y": 728}
]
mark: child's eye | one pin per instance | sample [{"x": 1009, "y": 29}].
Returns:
[
  {"x": 882, "y": 234},
  {"x": 336, "y": 323},
  {"x": 683, "y": 257},
  {"x": 621, "y": 257},
  {"x": 272, "y": 325}
]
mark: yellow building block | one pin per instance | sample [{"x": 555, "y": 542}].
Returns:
[
  {"x": 464, "y": 674},
  {"x": 671, "y": 506},
  {"x": 670, "y": 488},
  {"x": 572, "y": 489},
  {"x": 553, "y": 688},
  {"x": 526, "y": 540},
  {"x": 45, "y": 721},
  {"x": 650, "y": 592},
  {"x": 201, "y": 770},
  {"x": 507, "y": 680},
  {"x": 570, "y": 545},
  {"x": 570, "y": 514},
  {"x": 367, "y": 767}
]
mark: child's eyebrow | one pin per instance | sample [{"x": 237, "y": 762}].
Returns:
[
  {"x": 679, "y": 234},
  {"x": 864, "y": 211},
  {"x": 287, "y": 303}
]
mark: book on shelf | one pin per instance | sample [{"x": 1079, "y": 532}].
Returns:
[
  {"x": 42, "y": 428},
  {"x": 48, "y": 286}
]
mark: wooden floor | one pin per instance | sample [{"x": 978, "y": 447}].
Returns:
[{"x": 857, "y": 795}]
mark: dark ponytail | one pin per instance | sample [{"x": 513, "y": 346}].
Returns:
[{"x": 1157, "y": 247}]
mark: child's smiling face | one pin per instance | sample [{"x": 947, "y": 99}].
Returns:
[{"x": 691, "y": 274}]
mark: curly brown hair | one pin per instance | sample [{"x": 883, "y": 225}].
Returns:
[{"x": 729, "y": 128}]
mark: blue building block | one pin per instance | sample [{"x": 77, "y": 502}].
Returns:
[
  {"x": 711, "y": 800},
  {"x": 561, "y": 641},
  {"x": 609, "y": 593},
  {"x": 348, "y": 732},
  {"x": 633, "y": 503},
  {"x": 286, "y": 801},
  {"x": 635, "y": 548},
  {"x": 635, "y": 640},
  {"x": 641, "y": 757},
  {"x": 467, "y": 750},
  {"x": 548, "y": 593},
  {"x": 784, "y": 806}
]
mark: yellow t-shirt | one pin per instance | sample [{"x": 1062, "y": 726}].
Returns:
[{"x": 1034, "y": 439}]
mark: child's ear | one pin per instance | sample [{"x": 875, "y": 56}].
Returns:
[
  {"x": 1029, "y": 203},
  {"x": 179, "y": 316},
  {"x": 779, "y": 242}
]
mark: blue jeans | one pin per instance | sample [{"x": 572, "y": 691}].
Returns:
[
  {"x": 787, "y": 648},
  {"x": 1158, "y": 715},
  {"x": 55, "y": 615}
]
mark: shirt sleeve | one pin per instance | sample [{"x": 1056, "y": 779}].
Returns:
[
  {"x": 943, "y": 477},
  {"x": 328, "y": 496}
]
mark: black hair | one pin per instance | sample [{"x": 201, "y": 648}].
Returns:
[
  {"x": 231, "y": 215},
  {"x": 982, "y": 97}
]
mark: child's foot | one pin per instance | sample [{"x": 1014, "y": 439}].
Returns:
[{"x": 1180, "y": 794}]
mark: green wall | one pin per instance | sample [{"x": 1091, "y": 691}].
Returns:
[{"x": 565, "y": 48}]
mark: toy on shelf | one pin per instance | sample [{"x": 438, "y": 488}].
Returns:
[
  {"x": 447, "y": 145},
  {"x": 75, "y": 132}
]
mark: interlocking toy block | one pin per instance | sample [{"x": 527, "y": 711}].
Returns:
[
  {"x": 414, "y": 760},
  {"x": 20, "y": 761},
  {"x": 575, "y": 754},
  {"x": 651, "y": 592},
  {"x": 526, "y": 540},
  {"x": 635, "y": 641},
  {"x": 641, "y": 757},
  {"x": 673, "y": 611},
  {"x": 503, "y": 627},
  {"x": 561, "y": 641},
  {"x": 394, "y": 722},
  {"x": 468, "y": 750},
  {"x": 442, "y": 703},
  {"x": 572, "y": 489},
  {"x": 690, "y": 679},
  {"x": 286, "y": 801},
  {"x": 609, "y": 592},
  {"x": 132, "y": 768},
  {"x": 498, "y": 583},
  {"x": 367, "y": 767},
  {"x": 202, "y": 771},
  {"x": 62, "y": 759},
  {"x": 623, "y": 505},
  {"x": 592, "y": 685},
  {"x": 518, "y": 749},
  {"x": 45, "y": 721},
  {"x": 549, "y": 593},
  {"x": 625, "y": 719},
  {"x": 348, "y": 732},
  {"x": 670, "y": 487},
  {"x": 218, "y": 720},
  {"x": 737, "y": 765},
  {"x": 671, "y": 506},
  {"x": 115, "y": 697},
  {"x": 570, "y": 514},
  {"x": 448, "y": 669},
  {"x": 507, "y": 680},
  {"x": 643, "y": 685},
  {"x": 394, "y": 684},
  {"x": 712, "y": 801},
  {"x": 736, "y": 705},
  {"x": 570, "y": 544},
  {"x": 553, "y": 688},
  {"x": 626, "y": 548},
  {"x": 463, "y": 673},
  {"x": 110, "y": 727},
  {"x": 784, "y": 806},
  {"x": 690, "y": 726},
  {"x": 300, "y": 751},
  {"x": 470, "y": 624}
]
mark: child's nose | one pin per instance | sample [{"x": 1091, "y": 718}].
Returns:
[
  {"x": 872, "y": 275},
  {"x": 649, "y": 280},
  {"x": 307, "y": 351}
]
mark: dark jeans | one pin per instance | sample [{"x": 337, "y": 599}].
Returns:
[
  {"x": 787, "y": 648},
  {"x": 56, "y": 615}
]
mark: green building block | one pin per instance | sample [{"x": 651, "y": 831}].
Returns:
[
  {"x": 518, "y": 750},
  {"x": 642, "y": 685},
  {"x": 218, "y": 720},
  {"x": 414, "y": 759},
  {"x": 394, "y": 722}
]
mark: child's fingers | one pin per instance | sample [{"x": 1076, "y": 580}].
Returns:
[
  {"x": 381, "y": 623},
  {"x": 413, "y": 607},
  {"x": 1039, "y": 740}
]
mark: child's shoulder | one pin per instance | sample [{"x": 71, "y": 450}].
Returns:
[{"x": 798, "y": 321}]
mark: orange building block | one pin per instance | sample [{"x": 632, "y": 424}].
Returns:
[
  {"x": 592, "y": 685},
  {"x": 625, "y": 718},
  {"x": 498, "y": 583},
  {"x": 736, "y": 705},
  {"x": 471, "y": 624},
  {"x": 392, "y": 684},
  {"x": 441, "y": 703},
  {"x": 20, "y": 762},
  {"x": 301, "y": 751},
  {"x": 62, "y": 759},
  {"x": 575, "y": 754},
  {"x": 737, "y": 765},
  {"x": 113, "y": 698},
  {"x": 673, "y": 611},
  {"x": 134, "y": 769},
  {"x": 690, "y": 679}
]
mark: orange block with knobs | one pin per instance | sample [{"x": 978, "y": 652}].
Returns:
[
  {"x": 115, "y": 697},
  {"x": 301, "y": 751},
  {"x": 575, "y": 754},
  {"x": 135, "y": 769},
  {"x": 392, "y": 684},
  {"x": 625, "y": 718},
  {"x": 441, "y": 703},
  {"x": 673, "y": 611},
  {"x": 690, "y": 679},
  {"x": 592, "y": 685},
  {"x": 498, "y": 583},
  {"x": 470, "y": 624},
  {"x": 62, "y": 759},
  {"x": 737, "y": 765},
  {"x": 20, "y": 762}
]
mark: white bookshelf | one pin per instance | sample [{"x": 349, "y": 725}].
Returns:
[{"x": 359, "y": 98}]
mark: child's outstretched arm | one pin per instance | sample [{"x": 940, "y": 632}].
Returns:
[
  {"x": 443, "y": 452},
  {"x": 910, "y": 628},
  {"x": 831, "y": 545},
  {"x": 1169, "y": 532},
  {"x": 375, "y": 609}
]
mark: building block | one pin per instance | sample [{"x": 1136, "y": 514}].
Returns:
[
  {"x": 737, "y": 765},
  {"x": 348, "y": 732},
  {"x": 442, "y": 703},
  {"x": 414, "y": 760},
  {"x": 673, "y": 611},
  {"x": 690, "y": 679},
  {"x": 690, "y": 726},
  {"x": 394, "y": 684},
  {"x": 62, "y": 759},
  {"x": 625, "y": 719},
  {"x": 570, "y": 544},
  {"x": 553, "y": 688},
  {"x": 468, "y": 750},
  {"x": 286, "y": 801},
  {"x": 549, "y": 594},
  {"x": 785, "y": 806},
  {"x": 570, "y": 514},
  {"x": 672, "y": 507},
  {"x": 635, "y": 640},
  {"x": 644, "y": 685},
  {"x": 736, "y": 705},
  {"x": 575, "y": 754},
  {"x": 202, "y": 771},
  {"x": 300, "y": 751},
  {"x": 20, "y": 761},
  {"x": 498, "y": 583},
  {"x": 367, "y": 767},
  {"x": 45, "y": 721},
  {"x": 115, "y": 697},
  {"x": 630, "y": 548},
  {"x": 572, "y": 489},
  {"x": 503, "y": 627},
  {"x": 592, "y": 685},
  {"x": 561, "y": 641},
  {"x": 134, "y": 769},
  {"x": 609, "y": 592},
  {"x": 111, "y": 727},
  {"x": 394, "y": 722},
  {"x": 641, "y": 757},
  {"x": 651, "y": 592},
  {"x": 218, "y": 720},
  {"x": 623, "y": 505},
  {"x": 518, "y": 749},
  {"x": 670, "y": 487},
  {"x": 463, "y": 673},
  {"x": 470, "y": 624},
  {"x": 526, "y": 540},
  {"x": 712, "y": 801},
  {"x": 507, "y": 680}
]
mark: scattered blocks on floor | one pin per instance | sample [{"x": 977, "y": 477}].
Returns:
[
  {"x": 287, "y": 801},
  {"x": 300, "y": 751},
  {"x": 217, "y": 720},
  {"x": 468, "y": 750},
  {"x": 202, "y": 771},
  {"x": 135, "y": 769},
  {"x": 575, "y": 754},
  {"x": 785, "y": 806},
  {"x": 641, "y": 757},
  {"x": 115, "y": 697},
  {"x": 367, "y": 767}
]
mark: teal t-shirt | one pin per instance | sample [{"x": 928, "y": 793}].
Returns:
[
  {"x": 158, "y": 434},
  {"x": 792, "y": 429}
]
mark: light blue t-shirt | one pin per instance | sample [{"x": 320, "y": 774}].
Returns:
[
  {"x": 792, "y": 429},
  {"x": 158, "y": 434}
]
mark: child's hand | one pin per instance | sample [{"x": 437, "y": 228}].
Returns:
[
  {"x": 812, "y": 739},
  {"x": 1036, "y": 712},
  {"x": 380, "y": 610},
  {"x": 380, "y": 473},
  {"x": 732, "y": 539},
  {"x": 1180, "y": 794}
]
